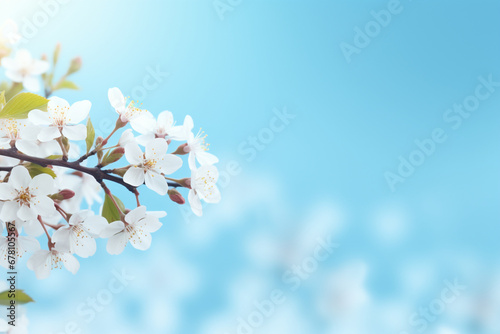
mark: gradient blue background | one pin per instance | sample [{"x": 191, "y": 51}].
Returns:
[{"x": 322, "y": 175}]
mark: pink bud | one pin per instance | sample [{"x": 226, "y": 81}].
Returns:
[
  {"x": 67, "y": 193},
  {"x": 176, "y": 196}
]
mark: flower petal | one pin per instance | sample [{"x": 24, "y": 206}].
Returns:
[
  {"x": 112, "y": 229},
  {"x": 135, "y": 215},
  {"x": 195, "y": 203},
  {"x": 156, "y": 182},
  {"x": 49, "y": 133},
  {"x": 26, "y": 213},
  {"x": 140, "y": 239},
  {"x": 116, "y": 244},
  {"x": 169, "y": 163},
  {"x": 156, "y": 149},
  {"x": 44, "y": 206},
  {"x": 42, "y": 184},
  {"x": 134, "y": 176},
  {"x": 19, "y": 177},
  {"x": 116, "y": 98},
  {"x": 39, "y": 117},
  {"x": 75, "y": 132},
  {"x": 79, "y": 111},
  {"x": 134, "y": 154}
]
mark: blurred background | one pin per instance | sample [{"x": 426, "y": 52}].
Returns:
[{"x": 359, "y": 160}]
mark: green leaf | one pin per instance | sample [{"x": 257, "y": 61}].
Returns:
[
  {"x": 19, "y": 296},
  {"x": 90, "y": 135},
  {"x": 2, "y": 99},
  {"x": 21, "y": 104},
  {"x": 66, "y": 84},
  {"x": 109, "y": 210},
  {"x": 35, "y": 170}
]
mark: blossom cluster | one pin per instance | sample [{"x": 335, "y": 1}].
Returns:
[{"x": 48, "y": 187}]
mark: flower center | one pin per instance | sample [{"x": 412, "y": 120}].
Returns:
[
  {"x": 11, "y": 128},
  {"x": 199, "y": 142},
  {"x": 148, "y": 164},
  {"x": 24, "y": 196},
  {"x": 58, "y": 114}
]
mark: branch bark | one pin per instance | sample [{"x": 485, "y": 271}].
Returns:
[{"x": 98, "y": 174}]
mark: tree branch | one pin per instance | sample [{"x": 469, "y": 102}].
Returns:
[{"x": 95, "y": 172}]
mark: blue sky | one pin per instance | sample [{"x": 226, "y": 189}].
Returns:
[{"x": 325, "y": 168}]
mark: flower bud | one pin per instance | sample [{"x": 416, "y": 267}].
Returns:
[
  {"x": 176, "y": 196},
  {"x": 75, "y": 65},
  {"x": 63, "y": 194},
  {"x": 185, "y": 182},
  {"x": 182, "y": 149},
  {"x": 98, "y": 144},
  {"x": 120, "y": 171},
  {"x": 57, "y": 50},
  {"x": 114, "y": 156},
  {"x": 67, "y": 193}
]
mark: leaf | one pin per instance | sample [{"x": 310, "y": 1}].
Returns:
[
  {"x": 2, "y": 99},
  {"x": 66, "y": 84},
  {"x": 90, "y": 135},
  {"x": 19, "y": 296},
  {"x": 109, "y": 210},
  {"x": 21, "y": 104},
  {"x": 35, "y": 170}
]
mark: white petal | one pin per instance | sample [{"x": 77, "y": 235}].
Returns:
[
  {"x": 205, "y": 158},
  {"x": 83, "y": 245},
  {"x": 95, "y": 224},
  {"x": 7, "y": 191},
  {"x": 116, "y": 98},
  {"x": 75, "y": 132},
  {"x": 19, "y": 177},
  {"x": 134, "y": 154},
  {"x": 150, "y": 223},
  {"x": 112, "y": 229},
  {"x": 49, "y": 133},
  {"x": 62, "y": 238},
  {"x": 195, "y": 203},
  {"x": 26, "y": 213},
  {"x": 44, "y": 206},
  {"x": 142, "y": 139},
  {"x": 156, "y": 149},
  {"x": 39, "y": 67},
  {"x": 39, "y": 117},
  {"x": 31, "y": 83},
  {"x": 156, "y": 182},
  {"x": 144, "y": 123},
  {"x": 192, "y": 160},
  {"x": 134, "y": 176},
  {"x": 41, "y": 263},
  {"x": 116, "y": 244},
  {"x": 135, "y": 215},
  {"x": 56, "y": 104},
  {"x": 140, "y": 239},
  {"x": 27, "y": 147},
  {"x": 70, "y": 262},
  {"x": 165, "y": 119},
  {"x": 42, "y": 184},
  {"x": 79, "y": 111},
  {"x": 188, "y": 123},
  {"x": 126, "y": 137},
  {"x": 170, "y": 163}
]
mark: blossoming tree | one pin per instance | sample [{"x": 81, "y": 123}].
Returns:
[{"x": 45, "y": 181}]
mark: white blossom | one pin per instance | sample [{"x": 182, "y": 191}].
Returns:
[
  {"x": 137, "y": 229},
  {"x": 149, "y": 166},
  {"x": 24, "y": 69}
]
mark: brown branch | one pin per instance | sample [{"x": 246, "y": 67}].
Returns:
[{"x": 95, "y": 172}]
